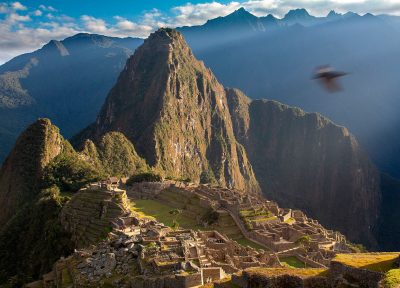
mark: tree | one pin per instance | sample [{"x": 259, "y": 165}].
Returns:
[
  {"x": 175, "y": 213},
  {"x": 303, "y": 241}
]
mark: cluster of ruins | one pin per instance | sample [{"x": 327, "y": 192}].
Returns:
[
  {"x": 145, "y": 248},
  {"x": 285, "y": 232}
]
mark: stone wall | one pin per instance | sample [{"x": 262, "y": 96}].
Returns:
[
  {"x": 364, "y": 278},
  {"x": 146, "y": 190},
  {"x": 247, "y": 280},
  {"x": 212, "y": 273}
]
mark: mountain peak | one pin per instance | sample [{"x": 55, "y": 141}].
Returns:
[
  {"x": 241, "y": 12},
  {"x": 332, "y": 13},
  {"x": 20, "y": 173},
  {"x": 172, "y": 108},
  {"x": 55, "y": 45},
  {"x": 297, "y": 13},
  {"x": 165, "y": 34}
]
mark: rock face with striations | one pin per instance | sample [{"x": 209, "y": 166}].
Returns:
[
  {"x": 176, "y": 114},
  {"x": 304, "y": 160},
  {"x": 21, "y": 172}
]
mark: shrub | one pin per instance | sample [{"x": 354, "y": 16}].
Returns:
[
  {"x": 69, "y": 173},
  {"x": 210, "y": 217},
  {"x": 144, "y": 177},
  {"x": 207, "y": 177}
]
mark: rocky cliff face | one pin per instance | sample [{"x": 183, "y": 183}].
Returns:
[
  {"x": 176, "y": 113},
  {"x": 304, "y": 160},
  {"x": 21, "y": 172}
]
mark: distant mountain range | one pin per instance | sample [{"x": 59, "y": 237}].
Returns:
[
  {"x": 275, "y": 58},
  {"x": 66, "y": 81}
]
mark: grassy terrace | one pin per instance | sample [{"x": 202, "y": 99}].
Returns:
[
  {"x": 380, "y": 262},
  {"x": 303, "y": 273},
  {"x": 160, "y": 211},
  {"x": 292, "y": 262},
  {"x": 250, "y": 216}
]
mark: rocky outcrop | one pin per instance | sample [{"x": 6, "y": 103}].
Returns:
[
  {"x": 304, "y": 160},
  {"x": 21, "y": 172},
  {"x": 175, "y": 112}
]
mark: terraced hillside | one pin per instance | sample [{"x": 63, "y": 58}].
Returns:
[{"x": 88, "y": 215}]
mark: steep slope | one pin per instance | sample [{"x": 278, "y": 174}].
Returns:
[
  {"x": 22, "y": 171},
  {"x": 304, "y": 160},
  {"x": 114, "y": 154},
  {"x": 280, "y": 60},
  {"x": 66, "y": 81},
  {"x": 175, "y": 112}
]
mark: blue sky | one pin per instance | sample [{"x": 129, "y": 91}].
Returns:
[{"x": 26, "y": 25}]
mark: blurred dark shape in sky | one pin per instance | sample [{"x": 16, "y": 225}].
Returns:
[{"x": 328, "y": 78}]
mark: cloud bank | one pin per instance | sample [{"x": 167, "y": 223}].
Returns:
[{"x": 24, "y": 29}]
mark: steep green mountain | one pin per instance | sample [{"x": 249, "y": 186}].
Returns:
[
  {"x": 66, "y": 81},
  {"x": 306, "y": 161},
  {"x": 31, "y": 237},
  {"x": 175, "y": 112},
  {"x": 33, "y": 181},
  {"x": 20, "y": 175}
]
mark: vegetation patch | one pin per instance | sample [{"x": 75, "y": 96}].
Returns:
[
  {"x": 144, "y": 177},
  {"x": 303, "y": 273},
  {"x": 69, "y": 172},
  {"x": 379, "y": 262},
  {"x": 392, "y": 279},
  {"x": 293, "y": 262},
  {"x": 161, "y": 212}
]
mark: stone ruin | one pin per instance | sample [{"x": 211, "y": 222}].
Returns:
[
  {"x": 150, "y": 254},
  {"x": 141, "y": 250},
  {"x": 278, "y": 230},
  {"x": 90, "y": 214}
]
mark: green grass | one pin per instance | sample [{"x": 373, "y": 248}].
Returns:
[
  {"x": 161, "y": 211},
  {"x": 292, "y": 262},
  {"x": 246, "y": 242},
  {"x": 380, "y": 262},
  {"x": 272, "y": 272},
  {"x": 290, "y": 221},
  {"x": 264, "y": 219},
  {"x": 392, "y": 279}
]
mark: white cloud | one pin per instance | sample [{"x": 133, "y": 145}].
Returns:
[
  {"x": 47, "y": 8},
  {"x": 196, "y": 14},
  {"x": 18, "y": 6},
  {"x": 37, "y": 13},
  {"x": 124, "y": 27},
  {"x": 93, "y": 24},
  {"x": 3, "y": 8},
  {"x": 14, "y": 17}
]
